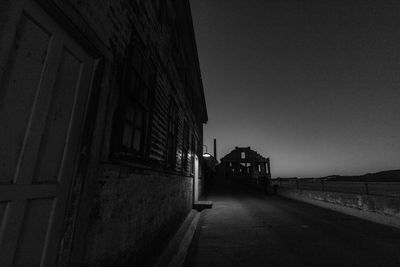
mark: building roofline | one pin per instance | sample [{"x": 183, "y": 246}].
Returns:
[
  {"x": 244, "y": 148},
  {"x": 196, "y": 58}
]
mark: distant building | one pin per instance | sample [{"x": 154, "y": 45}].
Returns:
[{"x": 245, "y": 164}]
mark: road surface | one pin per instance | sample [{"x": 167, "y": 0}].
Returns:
[{"x": 246, "y": 228}]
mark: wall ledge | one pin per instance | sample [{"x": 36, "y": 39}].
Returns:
[{"x": 378, "y": 209}]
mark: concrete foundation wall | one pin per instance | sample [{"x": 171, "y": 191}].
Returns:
[
  {"x": 384, "y": 210},
  {"x": 134, "y": 216}
]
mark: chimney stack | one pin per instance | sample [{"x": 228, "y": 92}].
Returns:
[{"x": 215, "y": 148}]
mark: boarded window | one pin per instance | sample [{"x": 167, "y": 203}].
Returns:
[{"x": 242, "y": 155}]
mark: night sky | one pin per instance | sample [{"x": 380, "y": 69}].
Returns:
[{"x": 312, "y": 84}]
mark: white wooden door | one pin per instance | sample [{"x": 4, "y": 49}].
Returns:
[{"x": 45, "y": 78}]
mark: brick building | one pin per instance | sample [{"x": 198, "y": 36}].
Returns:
[{"x": 102, "y": 111}]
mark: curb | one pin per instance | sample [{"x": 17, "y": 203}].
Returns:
[{"x": 175, "y": 253}]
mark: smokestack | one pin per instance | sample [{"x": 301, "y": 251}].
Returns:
[{"x": 215, "y": 148}]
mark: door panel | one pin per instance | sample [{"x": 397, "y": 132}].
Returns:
[
  {"x": 21, "y": 81},
  {"x": 33, "y": 230},
  {"x": 58, "y": 120},
  {"x": 43, "y": 97},
  {"x": 3, "y": 214}
]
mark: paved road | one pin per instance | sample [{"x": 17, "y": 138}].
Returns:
[{"x": 246, "y": 228}]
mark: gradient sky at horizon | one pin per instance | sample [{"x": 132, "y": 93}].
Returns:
[{"x": 312, "y": 84}]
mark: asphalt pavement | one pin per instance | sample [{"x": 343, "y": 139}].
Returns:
[{"x": 247, "y": 228}]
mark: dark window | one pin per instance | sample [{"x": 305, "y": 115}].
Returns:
[
  {"x": 171, "y": 136},
  {"x": 133, "y": 115}
]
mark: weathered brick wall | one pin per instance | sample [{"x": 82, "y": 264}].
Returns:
[
  {"x": 114, "y": 20},
  {"x": 136, "y": 209},
  {"x": 136, "y": 213}
]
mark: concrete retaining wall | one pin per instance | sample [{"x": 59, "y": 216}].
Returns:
[{"x": 379, "y": 209}]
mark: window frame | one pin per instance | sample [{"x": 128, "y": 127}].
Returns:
[{"x": 140, "y": 103}]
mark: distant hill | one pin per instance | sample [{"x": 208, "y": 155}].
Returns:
[{"x": 383, "y": 176}]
